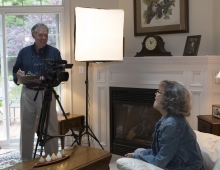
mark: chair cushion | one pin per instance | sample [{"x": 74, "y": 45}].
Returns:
[
  {"x": 208, "y": 143},
  {"x": 217, "y": 165},
  {"x": 134, "y": 164},
  {"x": 210, "y": 148}
]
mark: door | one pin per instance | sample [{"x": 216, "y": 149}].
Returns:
[{"x": 15, "y": 33}]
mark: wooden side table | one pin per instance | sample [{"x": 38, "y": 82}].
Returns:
[
  {"x": 209, "y": 124},
  {"x": 77, "y": 122}
]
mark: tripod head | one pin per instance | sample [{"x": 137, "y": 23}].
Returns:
[{"x": 55, "y": 74}]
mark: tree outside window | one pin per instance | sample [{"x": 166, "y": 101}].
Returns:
[{"x": 29, "y": 2}]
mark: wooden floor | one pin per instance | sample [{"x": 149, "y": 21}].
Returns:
[
  {"x": 14, "y": 124},
  {"x": 14, "y": 129}
]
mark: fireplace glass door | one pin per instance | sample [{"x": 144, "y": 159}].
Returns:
[{"x": 132, "y": 119}]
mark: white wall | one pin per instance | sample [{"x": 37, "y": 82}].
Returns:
[
  {"x": 200, "y": 23},
  {"x": 216, "y": 27}
]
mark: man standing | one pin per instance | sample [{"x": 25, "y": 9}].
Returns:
[{"x": 31, "y": 61}]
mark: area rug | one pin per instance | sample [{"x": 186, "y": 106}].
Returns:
[{"x": 9, "y": 159}]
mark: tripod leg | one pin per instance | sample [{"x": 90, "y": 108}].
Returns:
[
  {"x": 35, "y": 151},
  {"x": 76, "y": 140},
  {"x": 64, "y": 114},
  {"x": 43, "y": 122}
]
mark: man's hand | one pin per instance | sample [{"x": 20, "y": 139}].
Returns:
[
  {"x": 129, "y": 155},
  {"x": 20, "y": 73}
]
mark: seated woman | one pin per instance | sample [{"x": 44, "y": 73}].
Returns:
[{"x": 174, "y": 145}]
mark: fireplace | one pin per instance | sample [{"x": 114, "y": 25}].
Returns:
[
  {"x": 196, "y": 73},
  {"x": 132, "y": 119}
]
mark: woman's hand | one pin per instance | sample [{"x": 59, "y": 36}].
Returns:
[{"x": 129, "y": 155}]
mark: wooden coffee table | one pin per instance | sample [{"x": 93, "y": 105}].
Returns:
[{"x": 83, "y": 158}]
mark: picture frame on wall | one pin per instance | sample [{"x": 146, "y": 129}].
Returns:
[
  {"x": 192, "y": 45},
  {"x": 162, "y": 17}
]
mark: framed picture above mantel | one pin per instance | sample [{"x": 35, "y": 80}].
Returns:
[{"x": 161, "y": 17}]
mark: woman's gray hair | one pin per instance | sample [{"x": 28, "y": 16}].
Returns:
[
  {"x": 34, "y": 29},
  {"x": 176, "y": 98}
]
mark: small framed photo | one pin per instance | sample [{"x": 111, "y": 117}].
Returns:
[
  {"x": 192, "y": 45},
  {"x": 216, "y": 111}
]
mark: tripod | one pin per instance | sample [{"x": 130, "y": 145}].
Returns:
[
  {"x": 44, "y": 119},
  {"x": 88, "y": 130}
]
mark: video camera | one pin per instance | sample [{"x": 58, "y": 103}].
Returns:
[{"x": 55, "y": 72}]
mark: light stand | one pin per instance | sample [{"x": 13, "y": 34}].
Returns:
[
  {"x": 88, "y": 130},
  {"x": 98, "y": 38}
]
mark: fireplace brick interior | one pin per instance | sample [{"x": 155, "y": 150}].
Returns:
[{"x": 132, "y": 119}]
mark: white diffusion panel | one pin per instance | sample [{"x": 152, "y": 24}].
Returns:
[{"x": 99, "y": 34}]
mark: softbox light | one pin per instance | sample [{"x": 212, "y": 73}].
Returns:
[
  {"x": 98, "y": 38},
  {"x": 98, "y": 34}
]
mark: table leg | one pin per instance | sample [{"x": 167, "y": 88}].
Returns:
[
  {"x": 62, "y": 142},
  {"x": 80, "y": 139}
]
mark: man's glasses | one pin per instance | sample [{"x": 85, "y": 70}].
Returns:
[{"x": 158, "y": 92}]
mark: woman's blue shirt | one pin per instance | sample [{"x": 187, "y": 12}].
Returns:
[{"x": 174, "y": 145}]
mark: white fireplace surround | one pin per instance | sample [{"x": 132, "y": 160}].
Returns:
[{"x": 196, "y": 73}]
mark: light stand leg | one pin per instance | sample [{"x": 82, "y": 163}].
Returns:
[{"x": 87, "y": 128}]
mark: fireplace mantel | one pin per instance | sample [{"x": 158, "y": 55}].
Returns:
[{"x": 196, "y": 73}]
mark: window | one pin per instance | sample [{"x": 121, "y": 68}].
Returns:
[
  {"x": 18, "y": 35},
  {"x": 15, "y": 33},
  {"x": 29, "y": 2}
]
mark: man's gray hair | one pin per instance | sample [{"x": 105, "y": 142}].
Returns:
[{"x": 34, "y": 29}]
